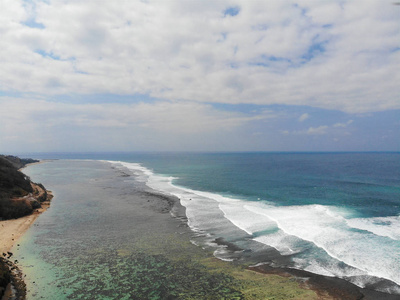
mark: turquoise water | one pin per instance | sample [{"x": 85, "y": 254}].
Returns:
[{"x": 335, "y": 214}]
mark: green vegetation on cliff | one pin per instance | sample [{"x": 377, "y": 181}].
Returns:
[
  {"x": 14, "y": 203},
  {"x": 13, "y": 186}
]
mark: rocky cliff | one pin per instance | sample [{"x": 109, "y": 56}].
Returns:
[{"x": 19, "y": 196}]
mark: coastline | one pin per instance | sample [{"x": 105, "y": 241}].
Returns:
[{"x": 11, "y": 231}]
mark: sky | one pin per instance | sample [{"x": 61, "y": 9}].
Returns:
[{"x": 199, "y": 75}]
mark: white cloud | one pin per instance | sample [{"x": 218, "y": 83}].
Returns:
[
  {"x": 285, "y": 132},
  {"x": 304, "y": 117},
  {"x": 322, "y": 130},
  {"x": 336, "y": 55},
  {"x": 317, "y": 130},
  {"x": 343, "y": 125}
]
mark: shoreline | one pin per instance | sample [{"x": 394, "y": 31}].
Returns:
[
  {"x": 11, "y": 231},
  {"x": 40, "y": 161}
]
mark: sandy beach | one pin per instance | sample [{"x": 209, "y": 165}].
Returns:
[
  {"x": 10, "y": 233},
  {"x": 12, "y": 230}
]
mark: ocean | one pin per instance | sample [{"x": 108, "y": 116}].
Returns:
[{"x": 334, "y": 214}]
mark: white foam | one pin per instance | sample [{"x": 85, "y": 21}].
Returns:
[
  {"x": 245, "y": 219},
  {"x": 143, "y": 173},
  {"x": 326, "y": 228},
  {"x": 284, "y": 243},
  {"x": 329, "y": 267},
  {"x": 246, "y": 216},
  {"x": 202, "y": 209},
  {"x": 383, "y": 226}
]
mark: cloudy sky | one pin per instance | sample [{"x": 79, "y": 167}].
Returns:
[{"x": 199, "y": 75}]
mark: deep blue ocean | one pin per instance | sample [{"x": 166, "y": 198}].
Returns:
[{"x": 335, "y": 214}]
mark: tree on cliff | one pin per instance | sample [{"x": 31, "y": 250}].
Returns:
[{"x": 13, "y": 184}]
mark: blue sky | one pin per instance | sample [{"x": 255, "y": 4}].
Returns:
[{"x": 199, "y": 75}]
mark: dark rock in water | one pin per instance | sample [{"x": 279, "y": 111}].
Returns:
[
  {"x": 5, "y": 276},
  {"x": 229, "y": 246}
]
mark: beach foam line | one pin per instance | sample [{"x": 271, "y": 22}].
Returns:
[
  {"x": 200, "y": 209},
  {"x": 262, "y": 228}
]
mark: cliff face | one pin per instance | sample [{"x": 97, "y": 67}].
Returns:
[
  {"x": 5, "y": 276},
  {"x": 18, "y": 195}
]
